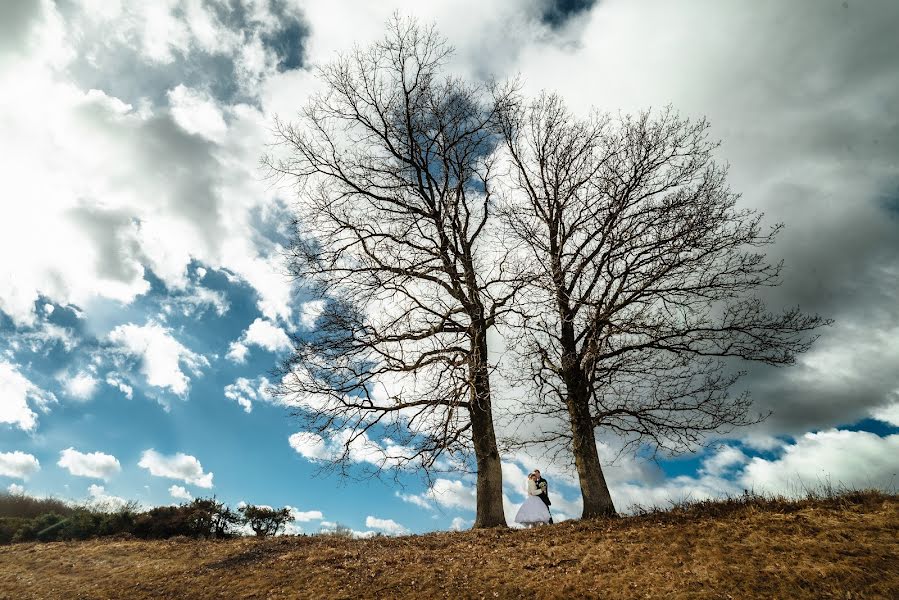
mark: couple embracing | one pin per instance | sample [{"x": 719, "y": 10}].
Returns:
[{"x": 535, "y": 510}]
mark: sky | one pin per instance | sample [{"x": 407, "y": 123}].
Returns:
[{"x": 143, "y": 299}]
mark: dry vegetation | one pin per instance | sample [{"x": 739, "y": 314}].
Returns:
[{"x": 843, "y": 547}]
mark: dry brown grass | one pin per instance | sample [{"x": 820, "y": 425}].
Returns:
[{"x": 846, "y": 547}]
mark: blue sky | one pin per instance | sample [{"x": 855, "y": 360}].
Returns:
[{"x": 142, "y": 291}]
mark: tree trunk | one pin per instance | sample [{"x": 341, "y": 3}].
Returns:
[
  {"x": 490, "y": 511},
  {"x": 594, "y": 491}
]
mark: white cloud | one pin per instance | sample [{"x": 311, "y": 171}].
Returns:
[
  {"x": 180, "y": 493},
  {"x": 291, "y": 529},
  {"x": 103, "y": 501},
  {"x": 417, "y": 499},
  {"x": 459, "y": 524},
  {"x": 761, "y": 441},
  {"x": 180, "y": 466},
  {"x": 309, "y": 445},
  {"x": 245, "y": 391},
  {"x": 262, "y": 333},
  {"x": 18, "y": 464},
  {"x": 17, "y": 392},
  {"x": 265, "y": 334},
  {"x": 362, "y": 449},
  {"x": 197, "y": 113},
  {"x": 724, "y": 459},
  {"x": 195, "y": 300},
  {"x": 853, "y": 459},
  {"x": 887, "y": 414},
  {"x": 91, "y": 464},
  {"x": 160, "y": 355},
  {"x": 125, "y": 189},
  {"x": 310, "y": 313},
  {"x": 80, "y": 386},
  {"x": 388, "y": 526},
  {"x": 113, "y": 380},
  {"x": 15, "y": 489},
  {"x": 46, "y": 335},
  {"x": 237, "y": 352},
  {"x": 452, "y": 494},
  {"x": 304, "y": 516}
]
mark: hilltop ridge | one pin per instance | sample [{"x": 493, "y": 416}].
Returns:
[{"x": 842, "y": 547}]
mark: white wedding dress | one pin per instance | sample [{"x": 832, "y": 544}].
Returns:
[{"x": 533, "y": 510}]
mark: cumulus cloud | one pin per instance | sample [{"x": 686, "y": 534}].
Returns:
[
  {"x": 245, "y": 391},
  {"x": 388, "y": 526},
  {"x": 179, "y": 466},
  {"x": 362, "y": 449},
  {"x": 161, "y": 356},
  {"x": 261, "y": 333},
  {"x": 419, "y": 500},
  {"x": 101, "y": 500},
  {"x": 310, "y": 445},
  {"x": 887, "y": 414},
  {"x": 19, "y": 396},
  {"x": 459, "y": 524},
  {"x": 725, "y": 458},
  {"x": 304, "y": 516},
  {"x": 197, "y": 113},
  {"x": 180, "y": 493},
  {"x": 18, "y": 464},
  {"x": 450, "y": 493},
  {"x": 237, "y": 352},
  {"x": 310, "y": 312},
  {"x": 91, "y": 464},
  {"x": 115, "y": 82},
  {"x": 15, "y": 489},
  {"x": 851, "y": 459},
  {"x": 80, "y": 386}
]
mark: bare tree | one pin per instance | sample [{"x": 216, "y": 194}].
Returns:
[
  {"x": 642, "y": 282},
  {"x": 395, "y": 210}
]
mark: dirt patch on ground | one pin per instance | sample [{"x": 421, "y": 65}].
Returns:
[{"x": 847, "y": 549}]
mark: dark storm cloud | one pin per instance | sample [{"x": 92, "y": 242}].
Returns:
[{"x": 556, "y": 13}]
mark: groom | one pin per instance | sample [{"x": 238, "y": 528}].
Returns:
[{"x": 543, "y": 486}]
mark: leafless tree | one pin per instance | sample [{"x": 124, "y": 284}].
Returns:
[
  {"x": 642, "y": 282},
  {"x": 394, "y": 162}
]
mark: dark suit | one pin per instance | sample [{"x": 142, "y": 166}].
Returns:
[{"x": 544, "y": 487}]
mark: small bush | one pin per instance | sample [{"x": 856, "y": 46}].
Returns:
[
  {"x": 9, "y": 526},
  {"x": 264, "y": 521},
  {"x": 338, "y": 530},
  {"x": 82, "y": 525}
]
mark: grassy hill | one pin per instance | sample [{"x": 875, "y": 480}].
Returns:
[{"x": 845, "y": 547}]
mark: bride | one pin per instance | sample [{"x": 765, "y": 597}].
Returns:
[{"x": 533, "y": 511}]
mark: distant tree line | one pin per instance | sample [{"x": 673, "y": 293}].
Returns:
[{"x": 27, "y": 519}]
